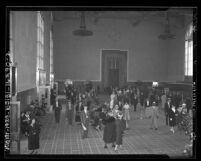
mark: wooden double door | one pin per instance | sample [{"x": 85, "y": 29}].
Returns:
[{"x": 114, "y": 68}]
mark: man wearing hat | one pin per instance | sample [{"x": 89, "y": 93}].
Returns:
[
  {"x": 154, "y": 116},
  {"x": 172, "y": 118},
  {"x": 166, "y": 110}
]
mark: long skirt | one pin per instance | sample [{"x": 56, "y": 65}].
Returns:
[
  {"x": 109, "y": 134},
  {"x": 33, "y": 142}
]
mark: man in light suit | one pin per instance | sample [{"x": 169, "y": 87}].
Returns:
[
  {"x": 85, "y": 122},
  {"x": 154, "y": 116}
]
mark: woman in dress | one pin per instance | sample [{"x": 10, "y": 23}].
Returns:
[
  {"x": 126, "y": 108},
  {"x": 33, "y": 136}
]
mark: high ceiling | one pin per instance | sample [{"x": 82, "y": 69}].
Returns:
[
  {"x": 177, "y": 15},
  {"x": 172, "y": 12}
]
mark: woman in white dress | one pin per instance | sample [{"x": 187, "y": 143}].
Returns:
[
  {"x": 126, "y": 109},
  {"x": 112, "y": 100}
]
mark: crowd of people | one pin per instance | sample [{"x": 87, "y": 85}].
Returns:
[{"x": 113, "y": 116}]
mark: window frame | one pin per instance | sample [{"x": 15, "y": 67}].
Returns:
[{"x": 188, "y": 62}]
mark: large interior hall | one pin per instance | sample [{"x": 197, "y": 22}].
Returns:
[{"x": 99, "y": 81}]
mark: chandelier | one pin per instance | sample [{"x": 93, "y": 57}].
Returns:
[
  {"x": 82, "y": 31},
  {"x": 167, "y": 33}
]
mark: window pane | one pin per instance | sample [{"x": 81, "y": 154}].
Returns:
[{"x": 189, "y": 52}]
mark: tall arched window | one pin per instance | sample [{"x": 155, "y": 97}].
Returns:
[
  {"x": 40, "y": 41},
  {"x": 189, "y": 51}
]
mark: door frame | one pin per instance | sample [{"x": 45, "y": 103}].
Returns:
[{"x": 101, "y": 63}]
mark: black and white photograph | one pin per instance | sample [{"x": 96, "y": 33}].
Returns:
[{"x": 102, "y": 81}]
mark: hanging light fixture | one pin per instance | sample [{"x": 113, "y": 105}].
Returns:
[
  {"x": 167, "y": 34},
  {"x": 82, "y": 31}
]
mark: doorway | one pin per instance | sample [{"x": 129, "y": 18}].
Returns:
[{"x": 114, "y": 68}]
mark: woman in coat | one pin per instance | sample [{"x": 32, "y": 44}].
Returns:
[
  {"x": 109, "y": 133},
  {"x": 119, "y": 130},
  {"x": 33, "y": 136},
  {"x": 172, "y": 118}
]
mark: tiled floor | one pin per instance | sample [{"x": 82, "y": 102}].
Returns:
[{"x": 139, "y": 139}]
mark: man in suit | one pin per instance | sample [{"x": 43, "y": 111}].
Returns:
[
  {"x": 85, "y": 122},
  {"x": 166, "y": 110},
  {"x": 172, "y": 118},
  {"x": 154, "y": 116},
  {"x": 134, "y": 100},
  {"x": 57, "y": 108},
  {"x": 141, "y": 104},
  {"x": 53, "y": 97}
]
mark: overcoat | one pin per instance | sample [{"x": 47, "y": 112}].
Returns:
[
  {"x": 109, "y": 133},
  {"x": 119, "y": 131},
  {"x": 33, "y": 136},
  {"x": 172, "y": 117}
]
